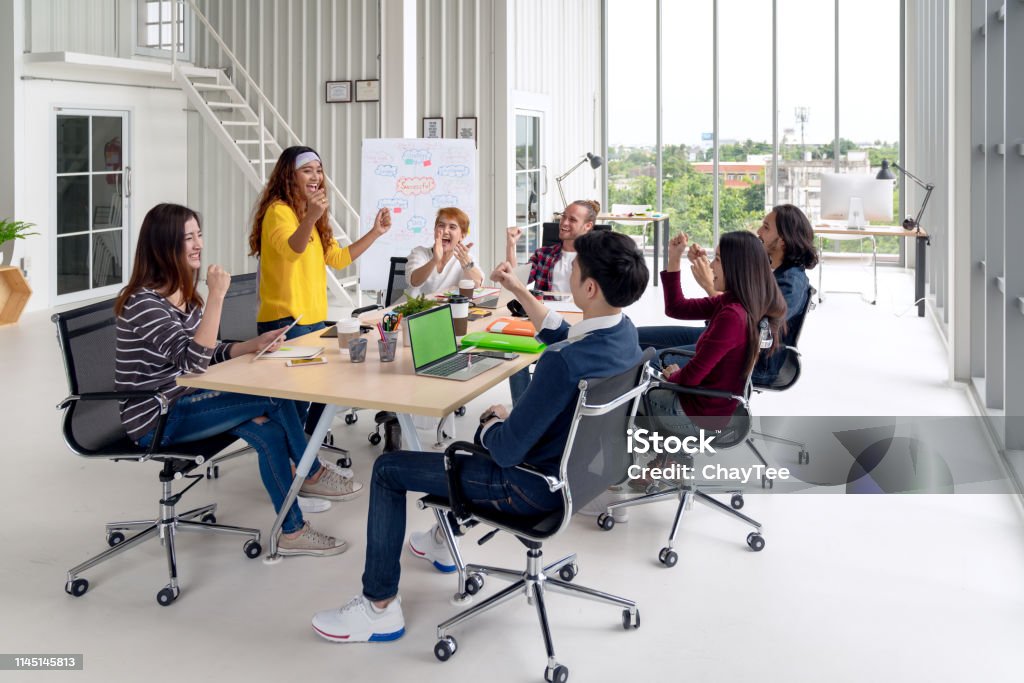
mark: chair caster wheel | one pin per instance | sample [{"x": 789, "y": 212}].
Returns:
[
  {"x": 252, "y": 549},
  {"x": 803, "y": 458},
  {"x": 668, "y": 557},
  {"x": 755, "y": 541},
  {"x": 628, "y": 621},
  {"x": 445, "y": 648},
  {"x": 474, "y": 584},
  {"x": 351, "y": 419},
  {"x": 167, "y": 596},
  {"x": 208, "y": 518},
  {"x": 115, "y": 538},
  {"x": 606, "y": 521},
  {"x": 343, "y": 462},
  {"x": 736, "y": 501},
  {"x": 767, "y": 483},
  {"x": 559, "y": 674},
  {"x": 76, "y": 588},
  {"x": 460, "y": 411},
  {"x": 374, "y": 438},
  {"x": 213, "y": 472},
  {"x": 568, "y": 572}
]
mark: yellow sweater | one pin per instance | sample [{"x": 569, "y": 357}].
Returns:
[{"x": 294, "y": 284}]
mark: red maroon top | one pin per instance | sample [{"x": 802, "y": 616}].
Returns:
[{"x": 720, "y": 358}]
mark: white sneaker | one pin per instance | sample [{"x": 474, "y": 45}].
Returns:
[
  {"x": 360, "y": 622},
  {"x": 345, "y": 472},
  {"x": 331, "y": 485},
  {"x": 311, "y": 542},
  {"x": 308, "y": 505},
  {"x": 425, "y": 544}
]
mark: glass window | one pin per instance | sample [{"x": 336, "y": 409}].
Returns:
[
  {"x": 527, "y": 178},
  {"x": 90, "y": 197},
  {"x": 155, "y": 26}
]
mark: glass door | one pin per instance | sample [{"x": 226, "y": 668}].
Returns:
[
  {"x": 92, "y": 189},
  {"x": 528, "y": 178}
]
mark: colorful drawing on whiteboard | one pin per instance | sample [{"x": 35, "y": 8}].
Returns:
[{"x": 413, "y": 178}]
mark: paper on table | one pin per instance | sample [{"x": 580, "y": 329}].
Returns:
[
  {"x": 291, "y": 351},
  {"x": 563, "y": 306}
]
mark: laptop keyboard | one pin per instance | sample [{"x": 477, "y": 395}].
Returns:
[{"x": 449, "y": 367}]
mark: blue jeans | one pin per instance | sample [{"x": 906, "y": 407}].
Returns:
[
  {"x": 279, "y": 441},
  {"x": 399, "y": 472},
  {"x": 309, "y": 413}
]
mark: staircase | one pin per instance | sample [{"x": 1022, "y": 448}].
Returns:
[{"x": 245, "y": 135}]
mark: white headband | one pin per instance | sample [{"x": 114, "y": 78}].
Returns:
[{"x": 305, "y": 158}]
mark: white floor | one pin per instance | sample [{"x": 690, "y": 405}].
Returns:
[{"x": 849, "y": 588}]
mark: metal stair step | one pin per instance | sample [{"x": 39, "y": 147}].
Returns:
[
  {"x": 239, "y": 123},
  {"x": 212, "y": 86},
  {"x": 226, "y": 105},
  {"x": 266, "y": 161},
  {"x": 270, "y": 141}
]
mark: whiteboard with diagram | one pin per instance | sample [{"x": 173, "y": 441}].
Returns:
[{"x": 413, "y": 178}]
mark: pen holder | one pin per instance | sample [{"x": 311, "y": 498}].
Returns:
[
  {"x": 387, "y": 347},
  {"x": 357, "y": 350}
]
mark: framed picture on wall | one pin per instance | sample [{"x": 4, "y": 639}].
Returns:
[
  {"x": 368, "y": 91},
  {"x": 338, "y": 91},
  {"x": 433, "y": 127},
  {"x": 465, "y": 128}
]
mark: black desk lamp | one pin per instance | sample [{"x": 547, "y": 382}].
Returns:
[
  {"x": 595, "y": 163},
  {"x": 885, "y": 174}
]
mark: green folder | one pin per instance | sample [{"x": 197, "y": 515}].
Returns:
[{"x": 503, "y": 342}]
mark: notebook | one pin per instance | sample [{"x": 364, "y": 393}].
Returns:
[
  {"x": 434, "y": 352},
  {"x": 288, "y": 351}
]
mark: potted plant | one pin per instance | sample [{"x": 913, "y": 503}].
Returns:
[
  {"x": 11, "y": 230},
  {"x": 413, "y": 305}
]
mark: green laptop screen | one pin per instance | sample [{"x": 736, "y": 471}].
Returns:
[{"x": 432, "y": 336}]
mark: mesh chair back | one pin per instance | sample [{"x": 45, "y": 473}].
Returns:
[
  {"x": 241, "y": 303},
  {"x": 596, "y": 455},
  {"x": 397, "y": 283},
  {"x": 86, "y": 337},
  {"x": 789, "y": 370},
  {"x": 549, "y": 232}
]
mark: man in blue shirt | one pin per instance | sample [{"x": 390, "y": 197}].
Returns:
[
  {"x": 608, "y": 274},
  {"x": 788, "y": 239}
]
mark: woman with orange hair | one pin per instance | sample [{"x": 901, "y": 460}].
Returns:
[{"x": 432, "y": 269}]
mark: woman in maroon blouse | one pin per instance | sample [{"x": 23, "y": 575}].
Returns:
[{"x": 729, "y": 347}]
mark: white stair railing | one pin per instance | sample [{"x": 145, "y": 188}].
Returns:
[{"x": 268, "y": 147}]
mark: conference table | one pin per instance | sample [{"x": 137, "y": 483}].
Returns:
[
  {"x": 342, "y": 384},
  {"x": 921, "y": 240}
]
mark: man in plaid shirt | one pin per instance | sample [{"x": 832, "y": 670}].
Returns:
[{"x": 551, "y": 266}]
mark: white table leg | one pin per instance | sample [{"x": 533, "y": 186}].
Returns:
[
  {"x": 301, "y": 471},
  {"x": 410, "y": 437}
]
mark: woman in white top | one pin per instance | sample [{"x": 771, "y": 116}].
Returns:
[{"x": 449, "y": 261}]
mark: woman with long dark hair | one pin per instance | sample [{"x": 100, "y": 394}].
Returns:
[
  {"x": 788, "y": 239},
  {"x": 726, "y": 352},
  {"x": 291, "y": 235},
  {"x": 164, "y": 330}
]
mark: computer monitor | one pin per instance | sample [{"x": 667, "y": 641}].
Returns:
[{"x": 873, "y": 195}]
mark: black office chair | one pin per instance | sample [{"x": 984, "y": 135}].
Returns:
[
  {"x": 595, "y": 457},
  {"x": 92, "y": 429},
  {"x": 549, "y": 232},
  {"x": 737, "y": 431},
  {"x": 789, "y": 372}
]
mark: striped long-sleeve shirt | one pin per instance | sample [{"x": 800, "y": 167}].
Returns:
[{"x": 155, "y": 344}]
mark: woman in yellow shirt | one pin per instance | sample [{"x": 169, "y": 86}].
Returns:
[{"x": 292, "y": 238}]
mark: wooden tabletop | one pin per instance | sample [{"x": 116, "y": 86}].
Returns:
[
  {"x": 383, "y": 386},
  {"x": 872, "y": 230},
  {"x": 623, "y": 218}
]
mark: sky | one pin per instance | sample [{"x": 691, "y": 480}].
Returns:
[{"x": 868, "y": 76}]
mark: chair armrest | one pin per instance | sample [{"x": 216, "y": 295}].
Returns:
[
  {"x": 554, "y": 483},
  {"x": 697, "y": 391},
  {"x": 112, "y": 396},
  {"x": 365, "y": 309},
  {"x": 453, "y": 458},
  {"x": 675, "y": 351}
]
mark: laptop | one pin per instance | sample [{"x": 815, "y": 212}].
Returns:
[{"x": 434, "y": 351}]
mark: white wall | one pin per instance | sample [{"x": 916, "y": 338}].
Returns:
[
  {"x": 158, "y": 160},
  {"x": 92, "y": 26}
]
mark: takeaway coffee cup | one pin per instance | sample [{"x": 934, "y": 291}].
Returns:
[
  {"x": 460, "y": 313},
  {"x": 466, "y": 288},
  {"x": 348, "y": 330}
]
